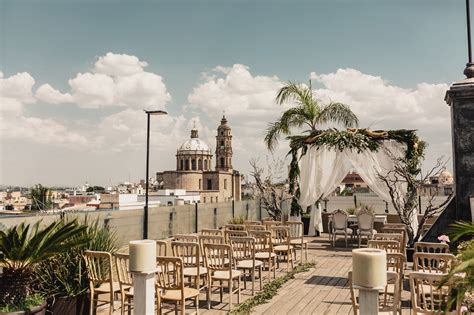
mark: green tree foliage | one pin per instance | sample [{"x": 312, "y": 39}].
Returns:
[
  {"x": 95, "y": 188},
  {"x": 308, "y": 112},
  {"x": 41, "y": 197}
]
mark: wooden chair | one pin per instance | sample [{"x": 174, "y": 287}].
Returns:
[
  {"x": 396, "y": 262},
  {"x": 339, "y": 226},
  {"x": 212, "y": 232},
  {"x": 101, "y": 281},
  {"x": 234, "y": 227},
  {"x": 161, "y": 248},
  {"x": 389, "y": 246},
  {"x": 389, "y": 300},
  {"x": 427, "y": 296},
  {"x": 216, "y": 256},
  {"x": 394, "y": 225},
  {"x": 258, "y": 227},
  {"x": 125, "y": 280},
  {"x": 432, "y": 262},
  {"x": 282, "y": 247},
  {"x": 365, "y": 225},
  {"x": 269, "y": 224},
  {"x": 170, "y": 284},
  {"x": 243, "y": 249},
  {"x": 248, "y": 222},
  {"x": 186, "y": 238},
  {"x": 234, "y": 233},
  {"x": 264, "y": 251},
  {"x": 297, "y": 239},
  {"x": 397, "y": 230},
  {"x": 427, "y": 247},
  {"x": 190, "y": 254}
]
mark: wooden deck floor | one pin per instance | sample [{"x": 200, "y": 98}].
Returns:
[{"x": 321, "y": 290}]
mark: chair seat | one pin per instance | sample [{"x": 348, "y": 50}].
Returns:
[
  {"x": 248, "y": 264},
  {"x": 105, "y": 287},
  {"x": 343, "y": 232},
  {"x": 175, "y": 295},
  {"x": 282, "y": 248},
  {"x": 298, "y": 242},
  {"x": 365, "y": 232},
  {"x": 193, "y": 271},
  {"x": 224, "y": 274},
  {"x": 264, "y": 255}
]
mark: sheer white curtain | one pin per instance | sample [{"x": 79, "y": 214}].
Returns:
[{"x": 321, "y": 170}]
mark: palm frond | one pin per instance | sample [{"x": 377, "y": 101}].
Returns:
[
  {"x": 338, "y": 113},
  {"x": 294, "y": 92},
  {"x": 459, "y": 229}
]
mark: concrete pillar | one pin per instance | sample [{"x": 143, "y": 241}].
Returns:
[{"x": 461, "y": 99}]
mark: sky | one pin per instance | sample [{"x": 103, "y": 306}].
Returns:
[{"x": 75, "y": 77}]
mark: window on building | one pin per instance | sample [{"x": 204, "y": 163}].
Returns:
[
  {"x": 225, "y": 183},
  {"x": 222, "y": 144},
  {"x": 181, "y": 165},
  {"x": 205, "y": 165},
  {"x": 200, "y": 164},
  {"x": 212, "y": 199},
  {"x": 222, "y": 162},
  {"x": 186, "y": 165},
  {"x": 200, "y": 183},
  {"x": 193, "y": 164},
  {"x": 209, "y": 184},
  {"x": 217, "y": 199},
  {"x": 204, "y": 200}
]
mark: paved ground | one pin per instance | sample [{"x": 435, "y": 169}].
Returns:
[{"x": 321, "y": 290}]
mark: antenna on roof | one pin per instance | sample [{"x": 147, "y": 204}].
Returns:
[{"x": 469, "y": 70}]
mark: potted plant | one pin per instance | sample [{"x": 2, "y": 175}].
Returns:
[
  {"x": 63, "y": 278},
  {"x": 22, "y": 249}
]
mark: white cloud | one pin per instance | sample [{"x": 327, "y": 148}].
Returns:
[
  {"x": 46, "y": 93},
  {"x": 117, "y": 80},
  {"x": 119, "y": 64},
  {"x": 15, "y": 91}
]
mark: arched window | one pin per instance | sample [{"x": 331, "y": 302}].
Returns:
[
  {"x": 193, "y": 164},
  {"x": 222, "y": 162},
  {"x": 186, "y": 165},
  {"x": 200, "y": 164},
  {"x": 181, "y": 166},
  {"x": 205, "y": 165}
]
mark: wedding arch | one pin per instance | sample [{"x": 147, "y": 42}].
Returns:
[{"x": 322, "y": 159}]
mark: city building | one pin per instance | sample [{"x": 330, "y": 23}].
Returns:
[{"x": 194, "y": 172}]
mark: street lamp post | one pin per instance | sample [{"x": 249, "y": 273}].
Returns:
[{"x": 145, "y": 214}]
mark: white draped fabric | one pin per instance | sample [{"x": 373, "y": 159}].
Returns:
[{"x": 322, "y": 170}]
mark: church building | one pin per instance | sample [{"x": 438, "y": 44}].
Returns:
[{"x": 194, "y": 171}]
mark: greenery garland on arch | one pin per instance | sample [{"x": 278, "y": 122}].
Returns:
[{"x": 354, "y": 139}]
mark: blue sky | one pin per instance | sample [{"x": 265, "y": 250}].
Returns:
[{"x": 405, "y": 43}]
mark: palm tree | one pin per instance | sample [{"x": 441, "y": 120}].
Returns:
[
  {"x": 23, "y": 247},
  {"x": 308, "y": 112}
]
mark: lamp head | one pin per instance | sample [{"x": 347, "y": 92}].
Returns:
[{"x": 155, "y": 112}]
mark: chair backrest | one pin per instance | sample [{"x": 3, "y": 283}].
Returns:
[
  {"x": 243, "y": 248},
  {"x": 218, "y": 257},
  {"x": 296, "y": 229},
  {"x": 99, "y": 267},
  {"x": 232, "y": 233},
  {"x": 124, "y": 275},
  {"x": 396, "y": 263},
  {"x": 161, "y": 248},
  {"x": 234, "y": 227},
  {"x": 213, "y": 232},
  {"x": 387, "y": 245},
  {"x": 388, "y": 300},
  {"x": 432, "y": 262},
  {"x": 269, "y": 224},
  {"x": 426, "y": 247},
  {"x": 280, "y": 235},
  {"x": 365, "y": 220},
  {"x": 394, "y": 225},
  {"x": 248, "y": 222},
  {"x": 394, "y": 230},
  {"x": 427, "y": 296},
  {"x": 389, "y": 237},
  {"x": 170, "y": 274},
  {"x": 186, "y": 238},
  {"x": 210, "y": 239},
  {"x": 189, "y": 252},
  {"x": 256, "y": 227},
  {"x": 339, "y": 219},
  {"x": 263, "y": 241}
]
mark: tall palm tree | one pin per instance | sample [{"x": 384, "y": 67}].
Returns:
[{"x": 307, "y": 112}]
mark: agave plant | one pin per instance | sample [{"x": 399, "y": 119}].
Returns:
[
  {"x": 465, "y": 263},
  {"x": 23, "y": 247}
]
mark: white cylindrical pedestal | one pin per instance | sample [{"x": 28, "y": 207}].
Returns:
[{"x": 144, "y": 293}]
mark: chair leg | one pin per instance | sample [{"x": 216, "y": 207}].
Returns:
[
  {"x": 231, "y": 285},
  {"x": 197, "y": 304},
  {"x": 238, "y": 290},
  {"x": 260, "y": 276},
  {"x": 183, "y": 307},
  {"x": 253, "y": 281},
  {"x": 209, "y": 291},
  {"x": 92, "y": 306}
]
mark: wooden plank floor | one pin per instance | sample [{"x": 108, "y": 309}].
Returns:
[{"x": 321, "y": 290}]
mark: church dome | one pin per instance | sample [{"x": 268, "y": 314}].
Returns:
[{"x": 194, "y": 144}]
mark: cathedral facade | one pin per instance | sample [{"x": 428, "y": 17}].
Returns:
[{"x": 194, "y": 171}]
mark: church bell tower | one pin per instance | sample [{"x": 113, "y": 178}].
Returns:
[{"x": 223, "y": 147}]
